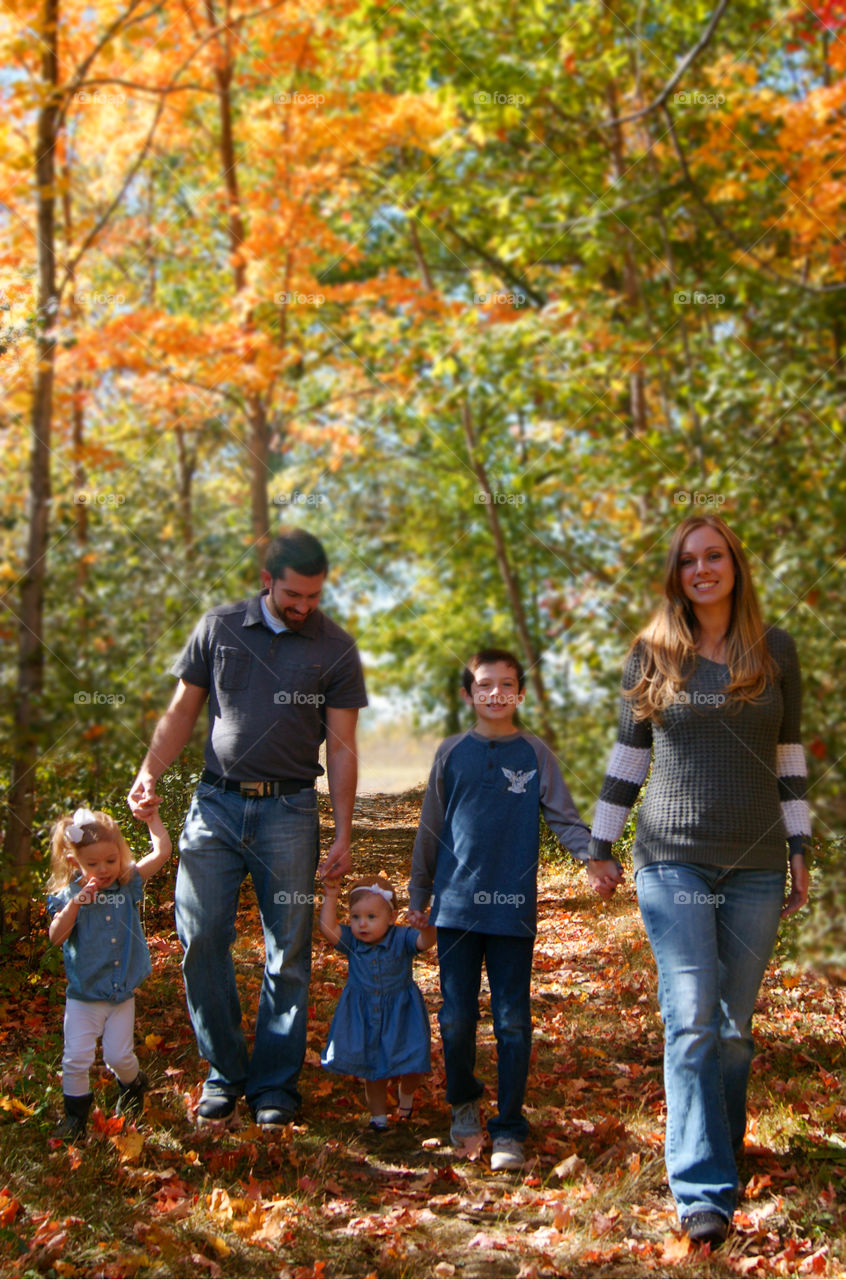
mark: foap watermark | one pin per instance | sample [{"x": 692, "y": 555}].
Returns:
[
  {"x": 95, "y": 697},
  {"x": 299, "y": 99},
  {"x": 499, "y": 498},
  {"x": 296, "y": 899},
  {"x": 290, "y": 298},
  {"x": 697, "y": 298},
  {"x": 298, "y": 698},
  {"x": 697, "y": 498},
  {"x": 109, "y": 899},
  {"x": 684, "y": 898},
  {"x": 698, "y": 99},
  {"x": 482, "y": 898},
  {"x": 98, "y": 498},
  {"x": 501, "y": 299},
  {"x": 699, "y": 699},
  {"x": 98, "y": 298},
  {"x": 497, "y": 99},
  {"x": 100, "y": 98},
  {"x": 299, "y": 499}
]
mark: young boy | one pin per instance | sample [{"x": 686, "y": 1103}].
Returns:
[{"x": 476, "y": 856}]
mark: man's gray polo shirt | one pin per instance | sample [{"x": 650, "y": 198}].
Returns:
[{"x": 268, "y": 693}]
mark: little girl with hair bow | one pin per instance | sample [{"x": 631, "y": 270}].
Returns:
[
  {"x": 380, "y": 1030},
  {"x": 94, "y": 893}
]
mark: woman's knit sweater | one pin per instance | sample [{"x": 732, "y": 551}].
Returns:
[{"x": 728, "y": 779}]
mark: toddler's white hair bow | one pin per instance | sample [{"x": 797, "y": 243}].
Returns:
[
  {"x": 376, "y": 888},
  {"x": 82, "y": 818}
]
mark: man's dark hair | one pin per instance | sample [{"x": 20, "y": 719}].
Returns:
[
  {"x": 486, "y": 656},
  {"x": 295, "y": 549}
]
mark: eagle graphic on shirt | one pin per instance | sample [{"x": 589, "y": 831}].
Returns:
[{"x": 518, "y": 779}]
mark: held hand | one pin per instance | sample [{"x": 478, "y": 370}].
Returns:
[
  {"x": 800, "y": 880},
  {"x": 142, "y": 798},
  {"x": 337, "y": 863},
  {"x": 332, "y": 886},
  {"x": 604, "y": 875},
  {"x": 417, "y": 919}
]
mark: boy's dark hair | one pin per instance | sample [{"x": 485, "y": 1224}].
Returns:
[
  {"x": 486, "y": 656},
  {"x": 295, "y": 549}
]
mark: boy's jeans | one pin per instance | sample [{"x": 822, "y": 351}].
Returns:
[
  {"x": 712, "y": 933},
  {"x": 509, "y": 966},
  {"x": 275, "y": 840}
]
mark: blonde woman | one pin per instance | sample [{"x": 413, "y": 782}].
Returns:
[{"x": 711, "y": 701}]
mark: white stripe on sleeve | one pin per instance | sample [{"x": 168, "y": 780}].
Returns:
[
  {"x": 629, "y": 764},
  {"x": 790, "y": 760},
  {"x": 797, "y": 817},
  {"x": 609, "y": 821}
]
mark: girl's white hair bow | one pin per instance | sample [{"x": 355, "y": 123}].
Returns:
[
  {"x": 387, "y": 894},
  {"x": 82, "y": 818}
]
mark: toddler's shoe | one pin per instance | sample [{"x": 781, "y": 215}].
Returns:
[
  {"x": 131, "y": 1099},
  {"x": 76, "y": 1117},
  {"x": 507, "y": 1154},
  {"x": 466, "y": 1126}
]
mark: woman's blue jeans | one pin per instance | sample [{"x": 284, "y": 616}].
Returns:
[
  {"x": 226, "y": 837},
  {"x": 712, "y": 933},
  {"x": 509, "y": 965}
]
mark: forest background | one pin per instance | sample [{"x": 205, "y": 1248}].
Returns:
[{"x": 487, "y": 296}]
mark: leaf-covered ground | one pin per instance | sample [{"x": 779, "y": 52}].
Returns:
[{"x": 325, "y": 1198}]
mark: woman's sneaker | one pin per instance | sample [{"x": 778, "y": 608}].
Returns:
[
  {"x": 466, "y": 1127},
  {"x": 507, "y": 1154}
]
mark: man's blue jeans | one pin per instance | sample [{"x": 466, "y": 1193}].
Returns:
[
  {"x": 275, "y": 840},
  {"x": 712, "y": 932},
  {"x": 509, "y": 965}
]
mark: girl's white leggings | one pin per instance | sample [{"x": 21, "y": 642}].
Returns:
[{"x": 85, "y": 1022}]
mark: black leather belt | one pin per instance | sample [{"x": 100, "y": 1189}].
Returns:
[{"x": 259, "y": 788}]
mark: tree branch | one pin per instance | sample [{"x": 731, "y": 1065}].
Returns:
[
  {"x": 674, "y": 79},
  {"x": 722, "y": 225}
]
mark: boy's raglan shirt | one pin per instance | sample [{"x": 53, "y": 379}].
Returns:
[{"x": 476, "y": 851}]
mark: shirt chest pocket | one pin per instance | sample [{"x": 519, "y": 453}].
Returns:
[
  {"x": 299, "y": 684},
  {"x": 231, "y": 667}
]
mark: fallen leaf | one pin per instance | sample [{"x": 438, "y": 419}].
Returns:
[
  {"x": 570, "y": 1167},
  {"x": 676, "y": 1249},
  {"x": 129, "y": 1145}
]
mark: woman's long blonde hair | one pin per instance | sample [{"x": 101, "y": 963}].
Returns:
[
  {"x": 667, "y": 644},
  {"x": 62, "y": 871}
]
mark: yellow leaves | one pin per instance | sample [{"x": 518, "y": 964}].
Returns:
[
  {"x": 153, "y": 1041},
  {"x": 731, "y": 189},
  {"x": 259, "y": 1221},
  {"x": 15, "y": 1106},
  {"x": 129, "y": 1145}
]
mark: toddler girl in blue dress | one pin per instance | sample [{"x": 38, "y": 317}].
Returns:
[
  {"x": 94, "y": 892},
  {"x": 380, "y": 1030}
]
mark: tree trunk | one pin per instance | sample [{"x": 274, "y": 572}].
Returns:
[
  {"x": 259, "y": 434},
  {"x": 187, "y": 467},
  {"x": 631, "y": 284},
  {"x": 28, "y": 722},
  {"x": 531, "y": 657}
]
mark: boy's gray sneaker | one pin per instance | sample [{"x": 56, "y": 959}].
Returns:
[
  {"x": 507, "y": 1154},
  {"x": 466, "y": 1123}
]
